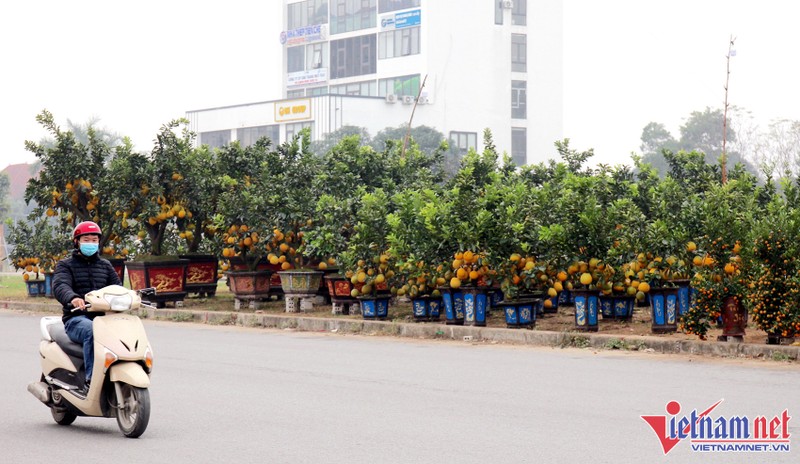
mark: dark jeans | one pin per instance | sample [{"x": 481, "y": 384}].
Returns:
[{"x": 79, "y": 330}]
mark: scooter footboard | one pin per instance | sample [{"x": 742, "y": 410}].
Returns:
[{"x": 131, "y": 373}]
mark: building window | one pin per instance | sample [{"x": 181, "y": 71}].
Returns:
[
  {"x": 353, "y": 15},
  {"x": 519, "y": 99},
  {"x": 399, "y": 42},
  {"x": 316, "y": 56},
  {"x": 462, "y": 142},
  {"x": 519, "y": 145},
  {"x": 364, "y": 89},
  {"x": 295, "y": 58},
  {"x": 249, "y": 135},
  {"x": 215, "y": 139},
  {"x": 308, "y": 13},
  {"x": 519, "y": 13},
  {"x": 315, "y": 91},
  {"x": 295, "y": 93},
  {"x": 391, "y": 5},
  {"x": 293, "y": 129},
  {"x": 519, "y": 52},
  {"x": 306, "y": 57},
  {"x": 403, "y": 85},
  {"x": 498, "y": 12},
  {"x": 354, "y": 56}
]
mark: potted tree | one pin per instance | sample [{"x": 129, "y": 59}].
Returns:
[
  {"x": 244, "y": 217},
  {"x": 286, "y": 195},
  {"x": 38, "y": 246},
  {"x": 75, "y": 183},
  {"x": 419, "y": 260},
  {"x": 773, "y": 297},
  {"x": 721, "y": 279},
  {"x": 195, "y": 219},
  {"x": 466, "y": 211},
  {"x": 151, "y": 190},
  {"x": 367, "y": 260},
  {"x": 325, "y": 239}
]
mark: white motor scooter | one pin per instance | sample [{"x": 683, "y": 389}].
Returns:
[{"x": 123, "y": 361}]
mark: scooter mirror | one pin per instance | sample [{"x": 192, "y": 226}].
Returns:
[{"x": 150, "y": 291}]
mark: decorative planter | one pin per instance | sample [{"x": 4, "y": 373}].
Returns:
[
  {"x": 539, "y": 297},
  {"x": 520, "y": 313},
  {"x": 453, "y": 305},
  {"x": 48, "y": 285},
  {"x": 300, "y": 283},
  {"x": 237, "y": 264},
  {"x": 623, "y": 307},
  {"x": 374, "y": 307},
  {"x": 36, "y": 288},
  {"x": 617, "y": 307},
  {"x": 250, "y": 285},
  {"x": 300, "y": 287},
  {"x": 426, "y": 308},
  {"x": 734, "y": 318},
  {"x": 201, "y": 274},
  {"x": 323, "y": 291},
  {"x": 553, "y": 309},
  {"x": 119, "y": 266},
  {"x": 664, "y": 309},
  {"x": 683, "y": 296},
  {"x": 168, "y": 277},
  {"x": 495, "y": 297},
  {"x": 587, "y": 306},
  {"x": 476, "y": 305},
  {"x": 606, "y": 306},
  {"x": 339, "y": 291},
  {"x": 565, "y": 298}
]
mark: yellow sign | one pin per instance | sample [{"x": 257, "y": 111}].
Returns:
[{"x": 293, "y": 110}]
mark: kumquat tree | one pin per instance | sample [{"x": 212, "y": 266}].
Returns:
[{"x": 75, "y": 183}]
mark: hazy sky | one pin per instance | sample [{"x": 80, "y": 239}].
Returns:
[{"x": 137, "y": 65}]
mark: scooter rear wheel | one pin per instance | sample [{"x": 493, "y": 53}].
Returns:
[
  {"x": 133, "y": 413},
  {"x": 62, "y": 416}
]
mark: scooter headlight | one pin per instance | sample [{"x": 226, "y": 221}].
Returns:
[{"x": 119, "y": 302}]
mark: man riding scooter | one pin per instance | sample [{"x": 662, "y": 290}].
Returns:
[{"x": 76, "y": 276}]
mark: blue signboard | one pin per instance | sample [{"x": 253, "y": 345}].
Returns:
[{"x": 407, "y": 19}]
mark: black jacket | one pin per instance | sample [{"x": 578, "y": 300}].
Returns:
[{"x": 78, "y": 275}]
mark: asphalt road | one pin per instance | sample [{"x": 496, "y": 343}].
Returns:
[{"x": 225, "y": 394}]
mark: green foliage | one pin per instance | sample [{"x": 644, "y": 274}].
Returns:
[
  {"x": 243, "y": 175},
  {"x": 702, "y": 132},
  {"x": 774, "y": 297},
  {"x": 371, "y": 231},
  {"x": 37, "y": 245},
  {"x": 74, "y": 182},
  {"x": 428, "y": 139}
]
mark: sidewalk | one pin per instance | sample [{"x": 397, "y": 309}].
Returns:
[{"x": 298, "y": 321}]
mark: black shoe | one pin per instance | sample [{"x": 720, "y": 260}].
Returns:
[{"x": 83, "y": 390}]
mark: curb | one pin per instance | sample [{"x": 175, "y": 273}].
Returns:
[{"x": 453, "y": 332}]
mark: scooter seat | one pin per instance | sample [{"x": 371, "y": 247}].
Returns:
[{"x": 59, "y": 335}]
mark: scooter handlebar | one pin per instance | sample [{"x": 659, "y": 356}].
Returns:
[
  {"x": 85, "y": 307},
  {"x": 150, "y": 291}
]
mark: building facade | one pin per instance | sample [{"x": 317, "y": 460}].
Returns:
[{"x": 459, "y": 66}]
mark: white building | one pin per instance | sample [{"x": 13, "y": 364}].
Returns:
[{"x": 493, "y": 64}]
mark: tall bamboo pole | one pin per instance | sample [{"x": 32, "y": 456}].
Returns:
[
  {"x": 408, "y": 130},
  {"x": 723, "y": 158}
]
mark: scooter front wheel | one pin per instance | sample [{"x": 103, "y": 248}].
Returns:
[
  {"x": 133, "y": 410},
  {"x": 62, "y": 416}
]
